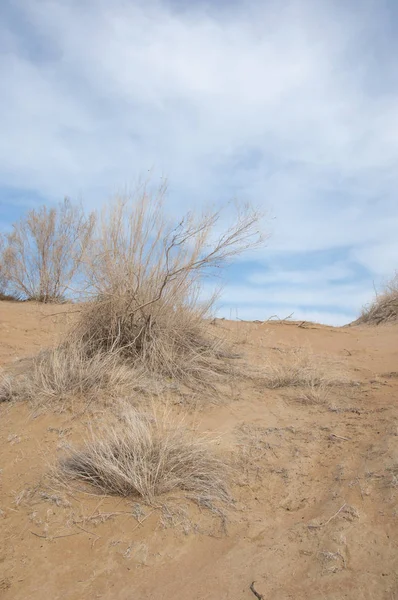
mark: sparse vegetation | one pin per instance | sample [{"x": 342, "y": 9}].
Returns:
[
  {"x": 297, "y": 367},
  {"x": 148, "y": 455},
  {"x": 316, "y": 393},
  {"x": 43, "y": 253},
  {"x": 3, "y": 273},
  {"x": 142, "y": 281},
  {"x": 300, "y": 368},
  {"x": 145, "y": 275},
  {"x": 384, "y": 307},
  {"x": 65, "y": 372},
  {"x": 6, "y": 386}
]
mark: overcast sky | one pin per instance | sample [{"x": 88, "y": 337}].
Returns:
[{"x": 291, "y": 105}]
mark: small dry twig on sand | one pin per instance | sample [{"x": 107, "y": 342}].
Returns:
[
  {"x": 339, "y": 437},
  {"x": 255, "y": 592},
  {"x": 54, "y": 537},
  {"x": 328, "y": 521}
]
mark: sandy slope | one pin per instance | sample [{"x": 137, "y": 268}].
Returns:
[{"x": 316, "y": 519}]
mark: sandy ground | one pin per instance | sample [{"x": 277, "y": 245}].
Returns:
[{"x": 315, "y": 512}]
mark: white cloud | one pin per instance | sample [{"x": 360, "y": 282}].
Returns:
[
  {"x": 380, "y": 258},
  {"x": 349, "y": 297},
  {"x": 320, "y": 276},
  {"x": 273, "y": 102}
]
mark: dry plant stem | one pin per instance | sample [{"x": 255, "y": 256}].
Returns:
[
  {"x": 54, "y": 537},
  {"x": 255, "y": 592},
  {"x": 331, "y": 518},
  {"x": 339, "y": 437}
]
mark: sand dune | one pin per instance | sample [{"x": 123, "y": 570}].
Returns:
[{"x": 315, "y": 484}]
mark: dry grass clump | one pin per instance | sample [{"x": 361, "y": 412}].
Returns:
[
  {"x": 6, "y": 386},
  {"x": 165, "y": 340},
  {"x": 301, "y": 368},
  {"x": 384, "y": 308},
  {"x": 298, "y": 367},
  {"x": 67, "y": 371},
  {"x": 148, "y": 455},
  {"x": 316, "y": 393}
]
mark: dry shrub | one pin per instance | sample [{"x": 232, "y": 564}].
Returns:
[
  {"x": 170, "y": 341},
  {"x": 148, "y": 455},
  {"x": 3, "y": 276},
  {"x": 145, "y": 275},
  {"x": 6, "y": 387},
  {"x": 301, "y": 368},
  {"x": 43, "y": 253},
  {"x": 66, "y": 371},
  {"x": 384, "y": 308}
]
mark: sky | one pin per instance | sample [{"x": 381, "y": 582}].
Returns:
[{"x": 292, "y": 106}]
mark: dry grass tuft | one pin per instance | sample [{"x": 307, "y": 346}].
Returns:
[
  {"x": 66, "y": 371},
  {"x": 6, "y": 387},
  {"x": 316, "y": 393},
  {"x": 300, "y": 368},
  {"x": 384, "y": 308},
  {"x": 148, "y": 455}
]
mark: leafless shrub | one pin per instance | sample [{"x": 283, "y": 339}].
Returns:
[
  {"x": 3, "y": 279},
  {"x": 44, "y": 251},
  {"x": 4, "y": 283},
  {"x": 66, "y": 371},
  {"x": 149, "y": 455},
  {"x": 384, "y": 308},
  {"x": 146, "y": 274}
]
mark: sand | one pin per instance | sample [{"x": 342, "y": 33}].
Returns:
[{"x": 315, "y": 511}]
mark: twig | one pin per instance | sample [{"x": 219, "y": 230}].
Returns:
[
  {"x": 328, "y": 521},
  {"x": 62, "y": 312},
  {"x": 339, "y": 437},
  {"x": 255, "y": 592},
  {"x": 87, "y": 531},
  {"x": 54, "y": 537},
  {"x": 142, "y": 521},
  {"x": 104, "y": 515},
  {"x": 279, "y": 319}
]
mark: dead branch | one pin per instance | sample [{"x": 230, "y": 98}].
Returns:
[
  {"x": 328, "y": 521},
  {"x": 255, "y": 592}
]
